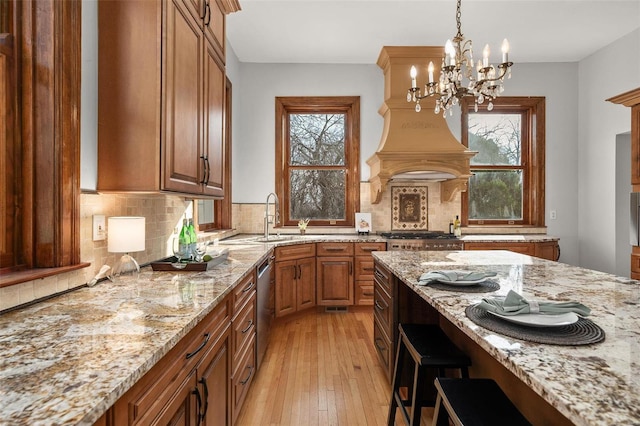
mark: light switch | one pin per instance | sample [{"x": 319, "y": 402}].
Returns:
[{"x": 99, "y": 227}]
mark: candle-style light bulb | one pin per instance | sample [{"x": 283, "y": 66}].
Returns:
[
  {"x": 450, "y": 51},
  {"x": 430, "y": 71},
  {"x": 505, "y": 51},
  {"x": 485, "y": 55},
  {"x": 414, "y": 74}
]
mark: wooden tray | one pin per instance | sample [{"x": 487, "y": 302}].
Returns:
[{"x": 169, "y": 264}]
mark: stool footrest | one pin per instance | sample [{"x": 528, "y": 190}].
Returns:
[{"x": 476, "y": 402}]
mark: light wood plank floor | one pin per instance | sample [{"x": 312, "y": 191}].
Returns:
[{"x": 320, "y": 369}]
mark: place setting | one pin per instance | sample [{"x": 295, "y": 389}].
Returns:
[
  {"x": 549, "y": 322},
  {"x": 460, "y": 281}
]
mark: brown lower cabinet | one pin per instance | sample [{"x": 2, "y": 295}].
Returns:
[
  {"x": 205, "y": 378},
  {"x": 549, "y": 250},
  {"x": 189, "y": 384},
  {"x": 295, "y": 270},
  {"x": 334, "y": 274}
]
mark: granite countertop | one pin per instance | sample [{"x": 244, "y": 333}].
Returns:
[
  {"x": 596, "y": 384},
  {"x": 68, "y": 359}
]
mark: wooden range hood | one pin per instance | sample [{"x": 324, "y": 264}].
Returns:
[{"x": 415, "y": 145}]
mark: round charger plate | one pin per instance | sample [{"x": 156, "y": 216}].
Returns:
[
  {"x": 539, "y": 320},
  {"x": 581, "y": 332}
]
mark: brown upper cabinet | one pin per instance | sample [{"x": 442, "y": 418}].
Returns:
[
  {"x": 632, "y": 100},
  {"x": 161, "y": 90}
]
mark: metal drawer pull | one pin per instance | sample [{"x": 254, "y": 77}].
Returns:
[
  {"x": 367, "y": 269},
  {"x": 380, "y": 348},
  {"x": 379, "y": 275},
  {"x": 335, "y": 249},
  {"x": 368, "y": 248},
  {"x": 249, "y": 287},
  {"x": 379, "y": 306},
  {"x": 207, "y": 336},
  {"x": 248, "y": 327},
  {"x": 244, "y": 382}
]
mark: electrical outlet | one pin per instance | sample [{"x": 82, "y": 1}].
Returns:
[
  {"x": 99, "y": 227},
  {"x": 553, "y": 215}
]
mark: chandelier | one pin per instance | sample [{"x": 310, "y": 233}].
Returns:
[{"x": 457, "y": 79}]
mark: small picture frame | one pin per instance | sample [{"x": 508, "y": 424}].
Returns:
[
  {"x": 409, "y": 208},
  {"x": 363, "y": 223}
]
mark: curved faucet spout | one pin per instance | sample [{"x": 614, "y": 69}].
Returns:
[{"x": 268, "y": 218}]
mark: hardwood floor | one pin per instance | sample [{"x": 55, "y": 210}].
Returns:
[{"x": 320, "y": 369}]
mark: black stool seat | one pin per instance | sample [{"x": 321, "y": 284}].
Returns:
[
  {"x": 429, "y": 348},
  {"x": 475, "y": 402}
]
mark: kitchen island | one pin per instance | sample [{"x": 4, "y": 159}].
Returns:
[{"x": 595, "y": 384}]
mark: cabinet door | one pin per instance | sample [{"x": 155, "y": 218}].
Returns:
[
  {"x": 182, "y": 108},
  {"x": 306, "y": 283},
  {"x": 196, "y": 8},
  {"x": 335, "y": 281},
  {"x": 214, "y": 86},
  {"x": 214, "y": 383},
  {"x": 214, "y": 29},
  {"x": 182, "y": 410},
  {"x": 549, "y": 250},
  {"x": 285, "y": 294}
]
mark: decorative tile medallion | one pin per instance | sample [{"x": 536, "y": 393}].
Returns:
[{"x": 409, "y": 208}]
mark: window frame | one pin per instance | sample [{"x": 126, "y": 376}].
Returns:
[
  {"x": 350, "y": 106},
  {"x": 48, "y": 138},
  {"x": 533, "y": 143}
]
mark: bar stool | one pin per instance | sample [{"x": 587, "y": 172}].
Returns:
[
  {"x": 429, "y": 348},
  {"x": 475, "y": 402}
]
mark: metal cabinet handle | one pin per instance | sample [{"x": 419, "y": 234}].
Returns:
[
  {"x": 249, "y": 287},
  {"x": 244, "y": 382},
  {"x": 367, "y": 269},
  {"x": 207, "y": 336},
  {"x": 379, "y": 306},
  {"x": 299, "y": 271},
  {"x": 368, "y": 248},
  {"x": 196, "y": 392},
  {"x": 206, "y": 159},
  {"x": 204, "y": 165},
  {"x": 295, "y": 272},
  {"x": 334, "y": 249},
  {"x": 248, "y": 327},
  {"x": 379, "y": 275},
  {"x": 206, "y": 398},
  {"x": 380, "y": 348},
  {"x": 208, "y": 11},
  {"x": 350, "y": 268}
]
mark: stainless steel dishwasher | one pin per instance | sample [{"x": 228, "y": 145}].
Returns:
[{"x": 265, "y": 312}]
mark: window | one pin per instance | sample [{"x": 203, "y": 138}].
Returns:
[
  {"x": 317, "y": 159},
  {"x": 507, "y": 186}
]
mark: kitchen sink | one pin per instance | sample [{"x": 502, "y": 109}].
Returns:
[{"x": 259, "y": 240}]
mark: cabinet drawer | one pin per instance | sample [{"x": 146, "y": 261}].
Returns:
[
  {"x": 365, "y": 249},
  {"x": 243, "y": 291},
  {"x": 382, "y": 277},
  {"x": 364, "y": 292},
  {"x": 296, "y": 251},
  {"x": 383, "y": 348},
  {"x": 364, "y": 268},
  {"x": 243, "y": 327},
  {"x": 242, "y": 379},
  {"x": 382, "y": 309},
  {"x": 335, "y": 249}
]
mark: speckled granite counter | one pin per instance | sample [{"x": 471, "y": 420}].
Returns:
[
  {"x": 66, "y": 360},
  {"x": 591, "y": 385},
  {"x": 507, "y": 238}
]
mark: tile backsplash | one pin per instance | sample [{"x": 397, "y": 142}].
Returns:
[{"x": 164, "y": 213}]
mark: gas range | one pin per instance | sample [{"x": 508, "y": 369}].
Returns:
[{"x": 428, "y": 240}]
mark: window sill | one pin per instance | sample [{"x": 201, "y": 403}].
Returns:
[{"x": 17, "y": 277}]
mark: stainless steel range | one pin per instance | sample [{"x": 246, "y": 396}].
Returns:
[{"x": 422, "y": 241}]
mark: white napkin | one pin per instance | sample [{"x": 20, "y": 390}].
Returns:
[{"x": 453, "y": 276}]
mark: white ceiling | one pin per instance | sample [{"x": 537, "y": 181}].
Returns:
[{"x": 354, "y": 31}]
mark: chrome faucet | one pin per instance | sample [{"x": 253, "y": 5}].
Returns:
[{"x": 268, "y": 218}]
